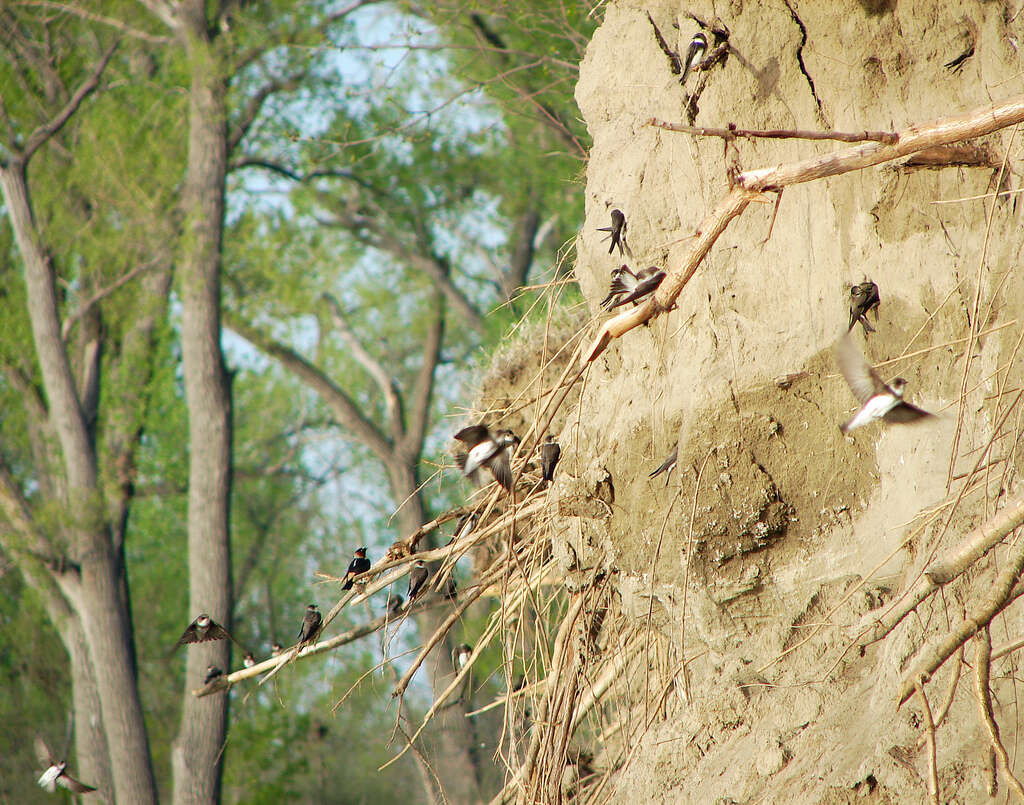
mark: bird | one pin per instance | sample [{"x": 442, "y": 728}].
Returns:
[
  {"x": 310, "y": 625},
  {"x": 202, "y": 630},
  {"x": 275, "y": 649},
  {"x": 550, "y": 452},
  {"x": 212, "y": 673},
  {"x": 460, "y": 656},
  {"x": 488, "y": 451},
  {"x": 694, "y": 54},
  {"x": 623, "y": 282},
  {"x": 395, "y": 604},
  {"x": 56, "y": 772},
  {"x": 647, "y": 282},
  {"x": 878, "y": 400},
  {"x": 863, "y": 297},
  {"x": 359, "y": 564},
  {"x": 667, "y": 466},
  {"x": 451, "y": 589},
  {"x": 417, "y": 580},
  {"x": 465, "y": 526},
  {"x": 249, "y": 660},
  {"x": 618, "y": 233}
]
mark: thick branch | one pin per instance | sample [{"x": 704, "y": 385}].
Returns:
[{"x": 419, "y": 411}]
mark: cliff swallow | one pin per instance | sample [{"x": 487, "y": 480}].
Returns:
[
  {"x": 417, "y": 579},
  {"x": 202, "y": 630},
  {"x": 487, "y": 451},
  {"x": 359, "y": 564},
  {"x": 618, "y": 233},
  {"x": 646, "y": 283},
  {"x": 877, "y": 399},
  {"x": 550, "y": 452},
  {"x": 275, "y": 649},
  {"x": 668, "y": 465},
  {"x": 694, "y": 54},
  {"x": 460, "y": 656},
  {"x": 310, "y": 625},
  {"x": 212, "y": 673},
  {"x": 56, "y": 772},
  {"x": 863, "y": 297},
  {"x": 249, "y": 660}
]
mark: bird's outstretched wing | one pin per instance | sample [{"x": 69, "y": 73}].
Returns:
[{"x": 860, "y": 377}]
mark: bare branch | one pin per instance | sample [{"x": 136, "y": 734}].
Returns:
[
  {"x": 423, "y": 388},
  {"x": 116, "y": 24},
  {"x": 929, "y": 723},
  {"x": 730, "y": 132},
  {"x": 982, "y": 661},
  {"x": 101, "y": 294},
  {"x": 255, "y": 105}
]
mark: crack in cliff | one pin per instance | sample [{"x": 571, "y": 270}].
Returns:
[{"x": 800, "y": 60}]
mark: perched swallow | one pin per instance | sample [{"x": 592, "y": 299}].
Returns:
[
  {"x": 647, "y": 282},
  {"x": 550, "y": 452},
  {"x": 487, "y": 451},
  {"x": 249, "y": 660},
  {"x": 202, "y": 630},
  {"x": 275, "y": 649},
  {"x": 460, "y": 656},
  {"x": 310, "y": 625},
  {"x": 465, "y": 526},
  {"x": 395, "y": 604},
  {"x": 451, "y": 589},
  {"x": 668, "y": 465},
  {"x": 56, "y": 772},
  {"x": 212, "y": 673},
  {"x": 694, "y": 54},
  {"x": 877, "y": 399},
  {"x": 618, "y": 233},
  {"x": 417, "y": 579},
  {"x": 359, "y": 564},
  {"x": 863, "y": 297}
]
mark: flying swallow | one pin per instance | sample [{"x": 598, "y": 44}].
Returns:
[
  {"x": 202, "y": 630},
  {"x": 647, "y": 282},
  {"x": 863, "y": 297},
  {"x": 212, "y": 673},
  {"x": 310, "y": 625},
  {"x": 275, "y": 649},
  {"x": 359, "y": 564},
  {"x": 56, "y": 772},
  {"x": 550, "y": 452},
  {"x": 417, "y": 579},
  {"x": 460, "y": 656},
  {"x": 877, "y": 399},
  {"x": 618, "y": 233},
  {"x": 623, "y": 282},
  {"x": 487, "y": 451},
  {"x": 694, "y": 54},
  {"x": 249, "y": 660},
  {"x": 668, "y": 465}
]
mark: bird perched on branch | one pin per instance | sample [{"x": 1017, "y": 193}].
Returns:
[
  {"x": 56, "y": 772},
  {"x": 202, "y": 630},
  {"x": 310, "y": 625},
  {"x": 667, "y": 466},
  {"x": 629, "y": 287},
  {"x": 550, "y": 452},
  {"x": 212, "y": 673},
  {"x": 618, "y": 233},
  {"x": 249, "y": 660},
  {"x": 460, "y": 656},
  {"x": 359, "y": 564},
  {"x": 417, "y": 580},
  {"x": 485, "y": 450},
  {"x": 878, "y": 400},
  {"x": 863, "y": 297},
  {"x": 694, "y": 54}
]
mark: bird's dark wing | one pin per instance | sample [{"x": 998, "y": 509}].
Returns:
[
  {"x": 905, "y": 412},
  {"x": 643, "y": 287},
  {"x": 417, "y": 578},
  {"x": 667, "y": 464},
  {"x": 474, "y": 434},
  {"x": 71, "y": 784},
  {"x": 860, "y": 377},
  {"x": 549, "y": 455},
  {"x": 43, "y": 753},
  {"x": 501, "y": 469}
]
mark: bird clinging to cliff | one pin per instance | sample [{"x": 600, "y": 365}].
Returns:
[
  {"x": 877, "y": 399},
  {"x": 550, "y": 452},
  {"x": 618, "y": 233},
  {"x": 359, "y": 564},
  {"x": 694, "y": 54},
  {"x": 646, "y": 283},
  {"x": 863, "y": 297},
  {"x": 487, "y": 451}
]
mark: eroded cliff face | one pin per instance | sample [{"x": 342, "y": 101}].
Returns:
[{"x": 760, "y": 578}]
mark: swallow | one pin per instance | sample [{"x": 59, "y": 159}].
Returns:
[
  {"x": 647, "y": 282},
  {"x": 212, "y": 673},
  {"x": 202, "y": 630},
  {"x": 863, "y": 297},
  {"x": 249, "y": 660},
  {"x": 275, "y": 649},
  {"x": 465, "y": 526},
  {"x": 56, "y": 772},
  {"x": 487, "y": 451},
  {"x": 694, "y": 54},
  {"x": 550, "y": 452},
  {"x": 359, "y": 564},
  {"x": 878, "y": 400},
  {"x": 451, "y": 589},
  {"x": 460, "y": 656},
  {"x": 417, "y": 579},
  {"x": 623, "y": 282},
  {"x": 618, "y": 233},
  {"x": 667, "y": 466},
  {"x": 395, "y": 604},
  {"x": 310, "y": 625}
]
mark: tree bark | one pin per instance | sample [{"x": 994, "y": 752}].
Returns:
[{"x": 197, "y": 757}]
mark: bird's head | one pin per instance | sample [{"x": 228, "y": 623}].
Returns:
[
  {"x": 897, "y": 385},
  {"x": 203, "y": 620},
  {"x": 361, "y": 553},
  {"x": 311, "y": 608}
]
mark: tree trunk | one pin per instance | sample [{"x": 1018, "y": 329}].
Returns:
[{"x": 198, "y": 757}]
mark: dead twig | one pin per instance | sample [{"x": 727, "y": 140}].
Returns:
[
  {"x": 731, "y": 132},
  {"x": 933, "y": 775},
  {"x": 982, "y": 657}
]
